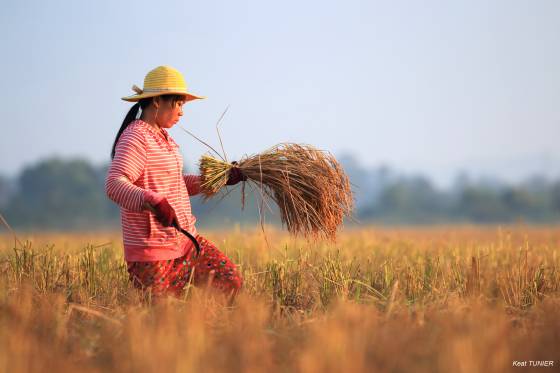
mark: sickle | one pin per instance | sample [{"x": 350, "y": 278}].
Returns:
[{"x": 190, "y": 236}]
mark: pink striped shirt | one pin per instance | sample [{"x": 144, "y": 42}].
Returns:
[{"x": 147, "y": 160}]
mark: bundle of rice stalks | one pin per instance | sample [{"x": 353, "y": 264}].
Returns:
[{"x": 308, "y": 185}]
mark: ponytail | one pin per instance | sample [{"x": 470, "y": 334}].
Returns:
[
  {"x": 129, "y": 118},
  {"x": 133, "y": 113}
]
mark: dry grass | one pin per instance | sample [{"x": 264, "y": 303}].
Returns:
[
  {"x": 447, "y": 299},
  {"x": 308, "y": 185}
]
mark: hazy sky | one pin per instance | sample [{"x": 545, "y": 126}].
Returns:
[{"x": 431, "y": 86}]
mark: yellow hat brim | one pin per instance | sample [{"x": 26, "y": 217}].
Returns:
[{"x": 138, "y": 97}]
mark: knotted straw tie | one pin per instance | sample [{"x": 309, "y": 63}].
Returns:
[{"x": 137, "y": 89}]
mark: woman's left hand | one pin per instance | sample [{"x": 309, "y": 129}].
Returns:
[{"x": 235, "y": 174}]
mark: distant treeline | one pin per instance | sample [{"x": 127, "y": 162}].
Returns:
[{"x": 69, "y": 194}]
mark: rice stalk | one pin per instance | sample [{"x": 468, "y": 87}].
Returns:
[{"x": 308, "y": 185}]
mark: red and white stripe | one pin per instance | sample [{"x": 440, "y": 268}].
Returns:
[{"x": 147, "y": 159}]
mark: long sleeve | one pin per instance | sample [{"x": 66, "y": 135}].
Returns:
[
  {"x": 193, "y": 184},
  {"x": 127, "y": 166}
]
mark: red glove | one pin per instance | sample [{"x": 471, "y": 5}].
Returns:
[
  {"x": 165, "y": 213},
  {"x": 161, "y": 208},
  {"x": 235, "y": 175}
]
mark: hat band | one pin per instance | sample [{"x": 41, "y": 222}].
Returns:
[{"x": 167, "y": 89}]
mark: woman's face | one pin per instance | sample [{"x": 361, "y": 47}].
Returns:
[{"x": 169, "y": 111}]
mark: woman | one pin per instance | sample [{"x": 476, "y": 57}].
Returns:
[{"x": 145, "y": 179}]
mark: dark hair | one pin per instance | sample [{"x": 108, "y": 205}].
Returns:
[{"x": 133, "y": 113}]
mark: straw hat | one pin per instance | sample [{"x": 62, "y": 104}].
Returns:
[{"x": 163, "y": 80}]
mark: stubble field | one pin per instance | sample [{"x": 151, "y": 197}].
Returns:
[{"x": 434, "y": 299}]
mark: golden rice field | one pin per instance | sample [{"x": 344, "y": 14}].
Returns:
[{"x": 434, "y": 299}]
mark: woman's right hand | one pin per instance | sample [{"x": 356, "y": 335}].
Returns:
[
  {"x": 165, "y": 213},
  {"x": 159, "y": 205}
]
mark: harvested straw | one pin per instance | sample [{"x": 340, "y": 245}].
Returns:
[{"x": 308, "y": 185}]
